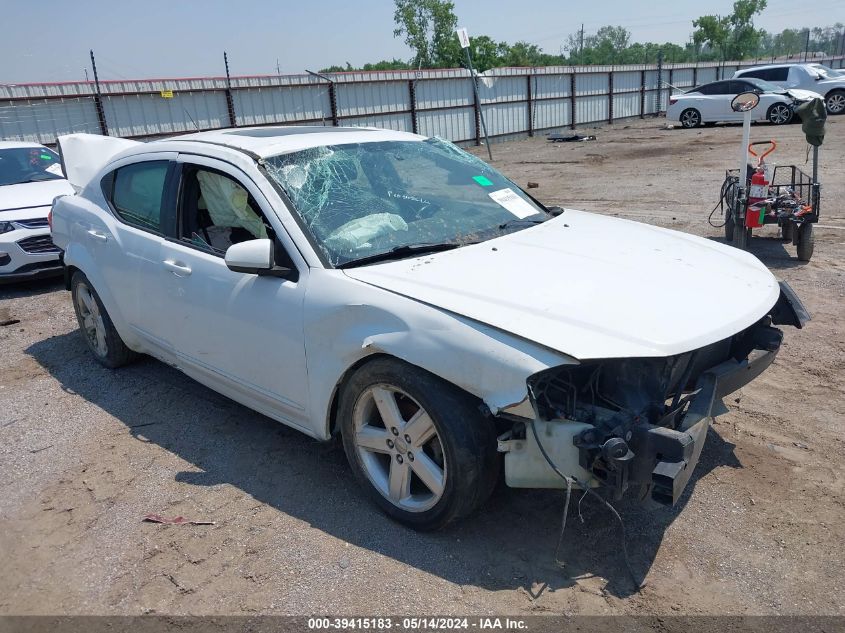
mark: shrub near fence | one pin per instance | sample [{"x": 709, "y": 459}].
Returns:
[{"x": 516, "y": 102}]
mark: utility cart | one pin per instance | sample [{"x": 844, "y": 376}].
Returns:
[
  {"x": 785, "y": 195},
  {"x": 790, "y": 201}
]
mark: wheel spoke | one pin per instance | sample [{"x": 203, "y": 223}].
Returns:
[
  {"x": 373, "y": 439},
  {"x": 429, "y": 473},
  {"x": 386, "y": 403},
  {"x": 87, "y": 300},
  {"x": 101, "y": 336},
  {"x": 420, "y": 428},
  {"x": 399, "y": 483}
]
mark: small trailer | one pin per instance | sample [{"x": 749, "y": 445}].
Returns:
[{"x": 786, "y": 196}]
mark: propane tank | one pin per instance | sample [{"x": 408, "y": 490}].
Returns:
[{"x": 757, "y": 195}]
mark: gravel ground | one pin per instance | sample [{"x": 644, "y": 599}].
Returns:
[{"x": 86, "y": 452}]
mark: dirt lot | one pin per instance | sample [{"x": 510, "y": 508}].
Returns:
[{"x": 86, "y": 453}]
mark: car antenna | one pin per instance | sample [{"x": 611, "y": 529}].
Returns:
[{"x": 192, "y": 119}]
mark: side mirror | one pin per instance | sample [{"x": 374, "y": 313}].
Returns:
[
  {"x": 745, "y": 101},
  {"x": 256, "y": 257}
]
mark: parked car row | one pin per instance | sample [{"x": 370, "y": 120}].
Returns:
[{"x": 782, "y": 88}]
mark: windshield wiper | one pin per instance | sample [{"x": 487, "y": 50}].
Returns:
[
  {"x": 510, "y": 223},
  {"x": 399, "y": 252}
]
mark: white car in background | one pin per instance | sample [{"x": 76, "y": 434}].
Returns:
[
  {"x": 827, "y": 82},
  {"x": 30, "y": 178},
  {"x": 399, "y": 292},
  {"x": 711, "y": 103}
]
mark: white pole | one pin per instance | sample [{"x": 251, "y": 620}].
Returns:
[{"x": 746, "y": 138}]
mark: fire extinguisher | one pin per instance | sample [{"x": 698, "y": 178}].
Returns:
[{"x": 758, "y": 193}]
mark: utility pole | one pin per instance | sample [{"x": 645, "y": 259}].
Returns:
[
  {"x": 98, "y": 98},
  {"x": 278, "y": 68},
  {"x": 807, "y": 45},
  {"x": 581, "y": 47}
]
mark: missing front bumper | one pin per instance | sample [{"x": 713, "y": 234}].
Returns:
[{"x": 656, "y": 450}]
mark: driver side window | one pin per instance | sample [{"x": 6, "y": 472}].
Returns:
[{"x": 216, "y": 211}]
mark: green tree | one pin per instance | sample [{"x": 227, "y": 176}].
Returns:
[
  {"x": 734, "y": 35},
  {"x": 428, "y": 26}
]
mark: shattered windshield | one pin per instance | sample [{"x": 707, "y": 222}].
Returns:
[
  {"x": 29, "y": 164},
  {"x": 365, "y": 199}
]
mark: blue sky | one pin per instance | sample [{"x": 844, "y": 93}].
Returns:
[{"x": 49, "y": 40}]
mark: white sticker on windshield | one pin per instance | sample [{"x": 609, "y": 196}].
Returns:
[
  {"x": 56, "y": 169},
  {"x": 511, "y": 201}
]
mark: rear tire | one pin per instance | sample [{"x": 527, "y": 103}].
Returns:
[
  {"x": 690, "y": 118},
  {"x": 806, "y": 242},
  {"x": 786, "y": 231},
  {"x": 96, "y": 325},
  {"x": 835, "y": 102},
  {"x": 779, "y": 114},
  {"x": 424, "y": 480}
]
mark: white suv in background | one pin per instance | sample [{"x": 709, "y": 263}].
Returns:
[
  {"x": 816, "y": 77},
  {"x": 30, "y": 177}
]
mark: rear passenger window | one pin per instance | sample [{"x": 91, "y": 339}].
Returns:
[
  {"x": 778, "y": 74},
  {"x": 137, "y": 191}
]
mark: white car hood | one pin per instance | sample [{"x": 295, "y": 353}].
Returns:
[
  {"x": 32, "y": 194},
  {"x": 803, "y": 95},
  {"x": 592, "y": 286}
]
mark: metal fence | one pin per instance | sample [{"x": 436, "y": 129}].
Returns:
[{"x": 516, "y": 102}]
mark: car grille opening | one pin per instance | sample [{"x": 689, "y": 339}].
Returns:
[{"x": 38, "y": 245}]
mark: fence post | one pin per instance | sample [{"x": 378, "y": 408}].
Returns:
[
  {"x": 476, "y": 108},
  {"x": 333, "y": 104},
  {"x": 98, "y": 100},
  {"x": 572, "y": 98},
  {"x": 230, "y": 102},
  {"x": 412, "y": 95},
  {"x": 658, "y": 98},
  {"x": 642, "y": 94},
  {"x": 610, "y": 96},
  {"x": 695, "y": 75},
  {"x": 530, "y": 108}
]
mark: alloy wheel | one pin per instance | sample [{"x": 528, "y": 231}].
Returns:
[
  {"x": 690, "y": 118},
  {"x": 399, "y": 448},
  {"x": 836, "y": 103},
  {"x": 92, "y": 320},
  {"x": 780, "y": 114}
]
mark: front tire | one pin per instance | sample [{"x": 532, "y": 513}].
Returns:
[
  {"x": 835, "y": 102},
  {"x": 419, "y": 446},
  {"x": 96, "y": 325},
  {"x": 690, "y": 118},
  {"x": 779, "y": 114}
]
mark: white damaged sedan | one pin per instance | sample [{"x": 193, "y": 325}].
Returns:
[{"x": 400, "y": 293}]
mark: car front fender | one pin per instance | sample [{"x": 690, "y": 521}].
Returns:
[{"x": 347, "y": 321}]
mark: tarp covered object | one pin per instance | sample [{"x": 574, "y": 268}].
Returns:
[{"x": 813, "y": 116}]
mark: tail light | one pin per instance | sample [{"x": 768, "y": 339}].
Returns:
[{"x": 672, "y": 101}]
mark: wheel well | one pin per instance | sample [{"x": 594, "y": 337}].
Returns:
[
  {"x": 332, "y": 423},
  {"x": 69, "y": 272},
  {"x": 331, "y": 420}
]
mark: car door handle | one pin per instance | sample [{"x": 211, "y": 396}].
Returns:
[
  {"x": 177, "y": 268},
  {"x": 98, "y": 235}
]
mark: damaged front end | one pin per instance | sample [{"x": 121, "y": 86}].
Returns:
[{"x": 638, "y": 424}]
